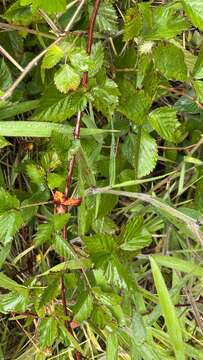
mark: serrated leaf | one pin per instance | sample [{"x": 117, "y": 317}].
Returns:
[
  {"x": 106, "y": 298},
  {"x": 194, "y": 11},
  {"x": 52, "y": 57},
  {"x": 135, "y": 105},
  {"x": 169, "y": 60},
  {"x": 66, "y": 79},
  {"x": 50, "y": 292},
  {"x": 162, "y": 22},
  {"x": 107, "y": 17},
  {"x": 106, "y": 98},
  {"x": 79, "y": 59},
  {"x": 83, "y": 308},
  {"x": 147, "y": 154},
  {"x": 13, "y": 302},
  {"x": 96, "y": 59},
  {"x": 57, "y": 107},
  {"x": 169, "y": 312},
  {"x": 8, "y": 201},
  {"x": 54, "y": 180},
  {"x": 35, "y": 173},
  {"x": 86, "y": 170},
  {"x": 44, "y": 233},
  {"x": 100, "y": 247},
  {"x": 47, "y": 331},
  {"x": 61, "y": 247},
  {"x": 135, "y": 235},
  {"x": 165, "y": 122},
  {"x": 133, "y": 24},
  {"x": 60, "y": 220},
  {"x": 10, "y": 223},
  {"x": 5, "y": 76},
  {"x": 198, "y": 86}
]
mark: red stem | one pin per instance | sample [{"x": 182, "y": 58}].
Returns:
[{"x": 72, "y": 162}]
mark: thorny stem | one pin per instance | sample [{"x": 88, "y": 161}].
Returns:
[{"x": 77, "y": 136}]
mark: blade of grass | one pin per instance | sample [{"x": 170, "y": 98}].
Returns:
[
  {"x": 41, "y": 129},
  {"x": 179, "y": 264},
  {"x": 169, "y": 312}
]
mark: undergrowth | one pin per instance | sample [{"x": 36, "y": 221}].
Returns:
[{"x": 101, "y": 180}]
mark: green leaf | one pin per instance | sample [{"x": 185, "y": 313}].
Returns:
[
  {"x": 42, "y": 129},
  {"x": 54, "y": 180},
  {"x": 9, "y": 284},
  {"x": 44, "y": 233},
  {"x": 5, "y": 76},
  {"x": 4, "y": 142},
  {"x": 112, "y": 346},
  {"x": 106, "y": 98},
  {"x": 36, "y": 173},
  {"x": 66, "y": 79},
  {"x": 47, "y": 331},
  {"x": 57, "y": 107},
  {"x": 100, "y": 247},
  {"x": 61, "y": 247},
  {"x": 178, "y": 264},
  {"x": 106, "y": 298},
  {"x": 79, "y": 60},
  {"x": 52, "y": 57},
  {"x": 4, "y": 252},
  {"x": 165, "y": 122},
  {"x": 96, "y": 59},
  {"x": 139, "y": 329},
  {"x": 85, "y": 167},
  {"x": 198, "y": 68},
  {"x": 169, "y": 312},
  {"x": 10, "y": 223},
  {"x": 135, "y": 235},
  {"x": 20, "y": 15},
  {"x": 194, "y": 11},
  {"x": 162, "y": 22},
  {"x": 198, "y": 86},
  {"x": 71, "y": 339},
  {"x": 51, "y": 7},
  {"x": 13, "y": 302},
  {"x": 8, "y": 201},
  {"x": 147, "y": 154},
  {"x": 8, "y": 110},
  {"x": 134, "y": 104},
  {"x": 83, "y": 308},
  {"x": 50, "y": 292},
  {"x": 169, "y": 60},
  {"x": 107, "y": 17},
  {"x": 133, "y": 24},
  {"x": 60, "y": 220}
]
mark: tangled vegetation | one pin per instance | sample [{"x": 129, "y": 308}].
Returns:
[{"x": 101, "y": 180}]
